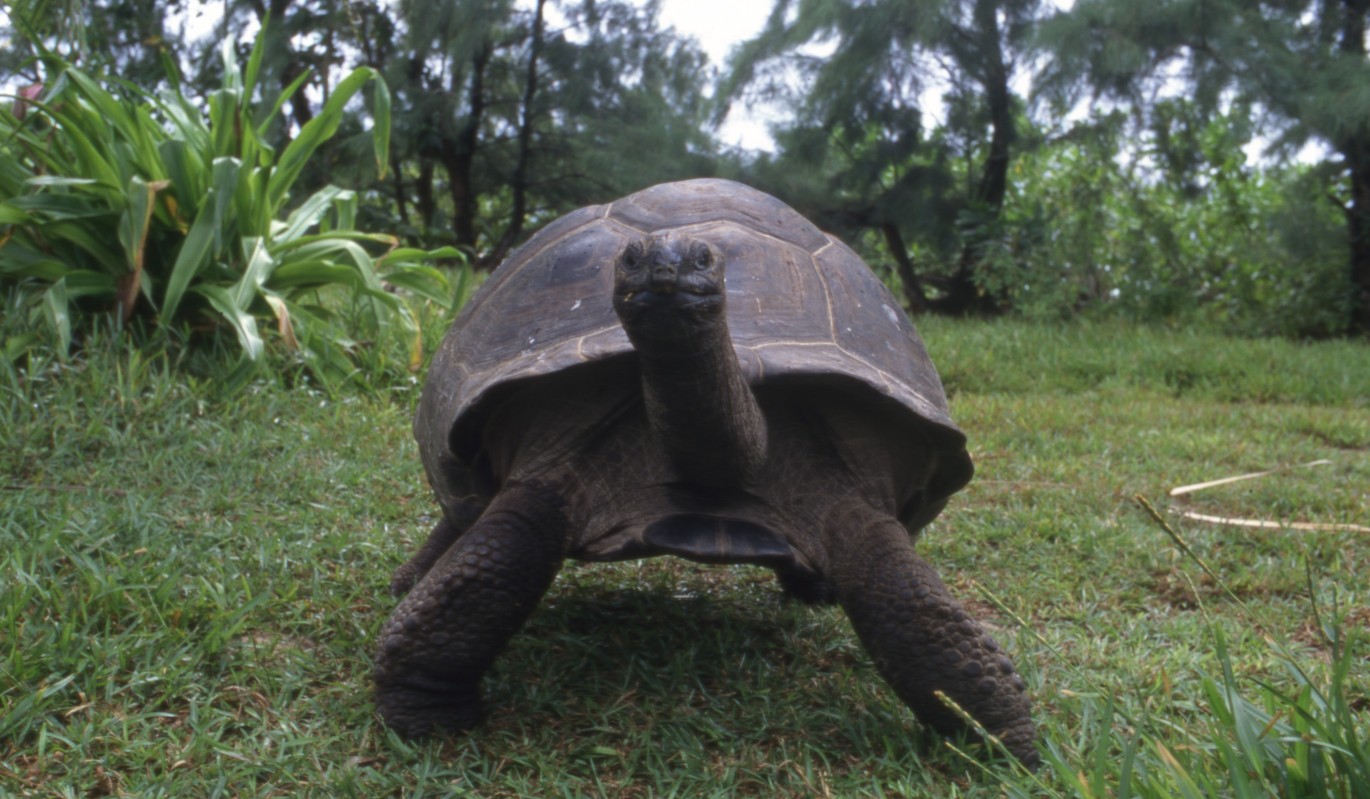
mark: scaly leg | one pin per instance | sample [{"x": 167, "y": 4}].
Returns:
[
  {"x": 448, "y": 630},
  {"x": 412, "y": 570},
  {"x": 921, "y": 639}
]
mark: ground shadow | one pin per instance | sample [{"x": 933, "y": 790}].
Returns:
[{"x": 746, "y": 664}]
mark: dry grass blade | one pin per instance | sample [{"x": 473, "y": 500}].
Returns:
[
  {"x": 1189, "y": 489},
  {"x": 1267, "y": 524},
  {"x": 1259, "y": 524}
]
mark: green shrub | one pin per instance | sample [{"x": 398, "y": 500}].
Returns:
[
  {"x": 115, "y": 201},
  {"x": 1088, "y": 226}
]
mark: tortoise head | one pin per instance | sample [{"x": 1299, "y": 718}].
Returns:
[{"x": 671, "y": 270}]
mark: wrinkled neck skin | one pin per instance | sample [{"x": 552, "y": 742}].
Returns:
[{"x": 698, "y": 402}]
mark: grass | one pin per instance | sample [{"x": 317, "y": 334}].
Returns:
[{"x": 193, "y": 585}]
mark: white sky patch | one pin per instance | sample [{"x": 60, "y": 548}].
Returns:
[{"x": 719, "y": 26}]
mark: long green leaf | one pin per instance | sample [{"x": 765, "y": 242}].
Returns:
[
  {"x": 424, "y": 281},
  {"x": 305, "y": 275},
  {"x": 244, "y": 325},
  {"x": 189, "y": 175},
  {"x": 57, "y": 310},
  {"x": 133, "y": 223},
  {"x": 254, "y": 60},
  {"x": 59, "y": 181},
  {"x": 122, "y": 124},
  {"x": 146, "y": 150},
  {"x": 314, "y": 133},
  {"x": 224, "y": 121},
  {"x": 344, "y": 216},
  {"x": 380, "y": 134},
  {"x": 254, "y": 215},
  {"x": 18, "y": 261},
  {"x": 187, "y": 120},
  {"x": 133, "y": 228},
  {"x": 86, "y": 283},
  {"x": 223, "y": 186},
  {"x": 309, "y": 213},
  {"x": 281, "y": 100},
  {"x": 9, "y": 215},
  {"x": 90, "y": 239},
  {"x": 360, "y": 259},
  {"x": 400, "y": 254},
  {"x": 91, "y": 162},
  {"x": 113, "y": 111},
  {"x": 57, "y": 206},
  {"x": 193, "y": 256},
  {"x": 334, "y": 237},
  {"x": 259, "y": 267}
]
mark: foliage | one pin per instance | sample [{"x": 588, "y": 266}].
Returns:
[
  {"x": 510, "y": 115},
  {"x": 1178, "y": 232},
  {"x": 129, "y": 38},
  {"x": 858, "y": 154},
  {"x": 146, "y": 206},
  {"x": 1300, "y": 69},
  {"x": 506, "y": 114},
  {"x": 195, "y": 587},
  {"x": 1044, "y": 359}
]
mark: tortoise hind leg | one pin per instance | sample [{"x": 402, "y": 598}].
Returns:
[
  {"x": 447, "y": 631},
  {"x": 804, "y": 586},
  {"x": 919, "y": 637},
  {"x": 411, "y": 571},
  {"x": 456, "y": 519}
]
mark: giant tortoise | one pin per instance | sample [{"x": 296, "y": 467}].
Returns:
[{"x": 607, "y": 394}]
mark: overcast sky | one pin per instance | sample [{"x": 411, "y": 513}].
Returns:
[{"x": 718, "y": 25}]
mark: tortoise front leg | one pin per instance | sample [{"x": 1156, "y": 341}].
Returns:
[
  {"x": 448, "y": 630},
  {"x": 920, "y": 638}
]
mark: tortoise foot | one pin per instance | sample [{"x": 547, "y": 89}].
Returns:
[{"x": 416, "y": 713}]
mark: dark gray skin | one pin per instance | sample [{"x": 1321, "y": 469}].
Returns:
[{"x": 684, "y": 451}]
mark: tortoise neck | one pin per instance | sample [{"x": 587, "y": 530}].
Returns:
[{"x": 700, "y": 407}]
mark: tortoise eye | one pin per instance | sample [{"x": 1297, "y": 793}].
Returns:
[
  {"x": 701, "y": 256},
  {"x": 631, "y": 258}
]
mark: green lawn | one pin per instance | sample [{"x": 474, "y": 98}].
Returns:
[{"x": 192, "y": 585}]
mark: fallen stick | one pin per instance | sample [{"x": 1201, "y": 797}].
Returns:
[
  {"x": 1175, "y": 492},
  {"x": 1260, "y": 524},
  {"x": 1265, "y": 524}
]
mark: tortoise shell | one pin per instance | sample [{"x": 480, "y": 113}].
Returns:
[{"x": 802, "y": 307}]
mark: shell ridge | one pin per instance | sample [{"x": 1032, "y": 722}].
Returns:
[
  {"x": 781, "y": 328},
  {"x": 525, "y": 257},
  {"x": 891, "y": 381},
  {"x": 827, "y": 292}
]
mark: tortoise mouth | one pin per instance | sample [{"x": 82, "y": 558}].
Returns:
[{"x": 671, "y": 295}]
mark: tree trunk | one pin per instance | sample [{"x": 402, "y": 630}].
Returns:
[
  {"x": 519, "y": 186},
  {"x": 962, "y": 294},
  {"x": 401, "y": 203},
  {"x": 423, "y": 193},
  {"x": 1356, "y": 150},
  {"x": 1358, "y": 218},
  {"x": 913, "y": 287},
  {"x": 458, "y": 155},
  {"x": 300, "y": 110}
]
